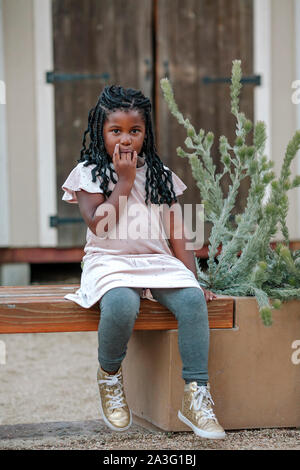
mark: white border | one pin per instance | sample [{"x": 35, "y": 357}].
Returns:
[
  {"x": 262, "y": 66},
  {"x": 4, "y": 173},
  {"x": 45, "y": 121},
  {"x": 297, "y": 77}
]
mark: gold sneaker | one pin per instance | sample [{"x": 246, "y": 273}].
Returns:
[
  {"x": 113, "y": 405},
  {"x": 197, "y": 412}
]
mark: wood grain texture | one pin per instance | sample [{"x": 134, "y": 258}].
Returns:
[
  {"x": 93, "y": 37},
  {"x": 42, "y": 309},
  {"x": 197, "y": 39},
  {"x": 36, "y": 255}
]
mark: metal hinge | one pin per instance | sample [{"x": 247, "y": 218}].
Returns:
[
  {"x": 254, "y": 79},
  {"x": 54, "y": 220},
  {"x": 52, "y": 77}
]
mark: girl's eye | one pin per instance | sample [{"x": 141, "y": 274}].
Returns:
[{"x": 116, "y": 131}]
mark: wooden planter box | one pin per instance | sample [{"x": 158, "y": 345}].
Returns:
[{"x": 254, "y": 382}]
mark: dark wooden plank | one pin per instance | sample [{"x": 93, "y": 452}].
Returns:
[
  {"x": 37, "y": 309},
  {"x": 37, "y": 255},
  {"x": 74, "y": 255},
  {"x": 93, "y": 37},
  {"x": 234, "y": 37},
  {"x": 200, "y": 38}
]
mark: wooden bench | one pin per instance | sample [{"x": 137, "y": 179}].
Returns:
[{"x": 43, "y": 309}]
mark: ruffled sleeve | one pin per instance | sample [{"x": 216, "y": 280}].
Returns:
[
  {"x": 80, "y": 178},
  {"x": 178, "y": 184}
]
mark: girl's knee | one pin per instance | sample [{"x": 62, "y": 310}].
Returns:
[
  {"x": 120, "y": 305},
  {"x": 194, "y": 305},
  {"x": 195, "y": 298}
]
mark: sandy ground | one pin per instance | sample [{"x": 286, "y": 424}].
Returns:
[{"x": 49, "y": 400}]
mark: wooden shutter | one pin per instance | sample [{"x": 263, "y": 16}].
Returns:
[
  {"x": 119, "y": 40},
  {"x": 111, "y": 38},
  {"x": 197, "y": 39}
]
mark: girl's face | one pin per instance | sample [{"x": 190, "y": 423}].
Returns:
[{"x": 126, "y": 128}]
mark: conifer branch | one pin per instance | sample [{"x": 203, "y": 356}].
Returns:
[{"x": 259, "y": 271}]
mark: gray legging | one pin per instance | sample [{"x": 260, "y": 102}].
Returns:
[{"x": 120, "y": 308}]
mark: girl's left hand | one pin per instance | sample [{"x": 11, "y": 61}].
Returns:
[{"x": 209, "y": 295}]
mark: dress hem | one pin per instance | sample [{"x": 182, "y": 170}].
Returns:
[{"x": 77, "y": 296}]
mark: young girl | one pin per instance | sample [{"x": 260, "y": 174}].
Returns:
[{"x": 119, "y": 172}]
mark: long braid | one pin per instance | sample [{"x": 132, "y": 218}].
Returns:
[{"x": 159, "y": 184}]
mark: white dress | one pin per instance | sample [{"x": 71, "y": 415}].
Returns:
[{"x": 145, "y": 262}]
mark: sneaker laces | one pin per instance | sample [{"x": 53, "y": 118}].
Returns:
[
  {"x": 202, "y": 399},
  {"x": 117, "y": 399}
]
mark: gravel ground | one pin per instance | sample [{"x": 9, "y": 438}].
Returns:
[
  {"x": 88, "y": 435},
  {"x": 49, "y": 400}
]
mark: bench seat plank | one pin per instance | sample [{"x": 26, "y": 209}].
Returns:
[{"x": 42, "y": 309}]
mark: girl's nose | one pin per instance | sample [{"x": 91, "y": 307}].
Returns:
[{"x": 126, "y": 139}]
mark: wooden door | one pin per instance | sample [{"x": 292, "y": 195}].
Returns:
[
  {"x": 198, "y": 39},
  {"x": 108, "y": 38},
  {"x": 119, "y": 41}
]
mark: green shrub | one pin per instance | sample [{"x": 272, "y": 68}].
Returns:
[{"x": 267, "y": 274}]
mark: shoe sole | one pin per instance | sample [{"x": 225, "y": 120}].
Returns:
[
  {"x": 199, "y": 432},
  {"x": 108, "y": 423}
]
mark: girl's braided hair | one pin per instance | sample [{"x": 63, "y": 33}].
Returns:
[{"x": 158, "y": 179}]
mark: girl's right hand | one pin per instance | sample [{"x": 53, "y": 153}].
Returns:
[{"x": 125, "y": 164}]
